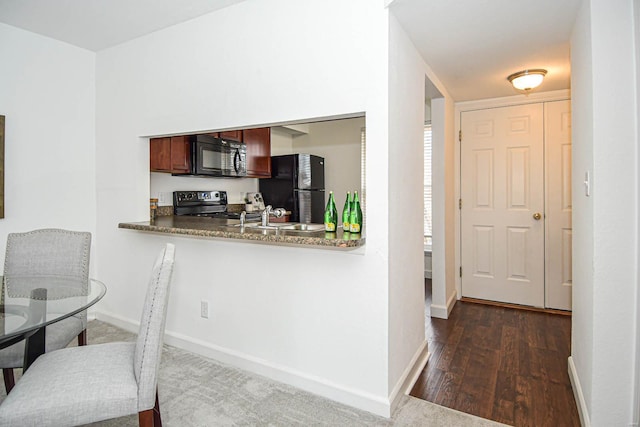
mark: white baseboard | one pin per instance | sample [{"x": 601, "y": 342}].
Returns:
[
  {"x": 410, "y": 375},
  {"x": 120, "y": 322},
  {"x": 577, "y": 393},
  {"x": 417, "y": 369},
  {"x": 442, "y": 312},
  {"x": 316, "y": 385}
]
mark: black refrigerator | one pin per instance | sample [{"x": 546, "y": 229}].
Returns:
[{"x": 296, "y": 184}]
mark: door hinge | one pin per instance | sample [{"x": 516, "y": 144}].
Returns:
[
  {"x": 460, "y": 135},
  {"x": 460, "y": 271},
  {"x": 459, "y": 203}
]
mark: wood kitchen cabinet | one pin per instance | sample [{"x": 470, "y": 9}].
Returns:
[
  {"x": 235, "y": 135},
  {"x": 258, "y": 143},
  {"x": 170, "y": 154},
  {"x": 180, "y": 154},
  {"x": 160, "y": 154}
]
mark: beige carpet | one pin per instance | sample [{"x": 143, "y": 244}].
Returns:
[{"x": 196, "y": 391}]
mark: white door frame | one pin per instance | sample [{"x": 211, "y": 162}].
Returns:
[{"x": 558, "y": 95}]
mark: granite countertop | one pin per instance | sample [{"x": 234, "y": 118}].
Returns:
[{"x": 225, "y": 229}]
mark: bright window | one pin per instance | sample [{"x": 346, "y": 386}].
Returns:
[{"x": 427, "y": 186}]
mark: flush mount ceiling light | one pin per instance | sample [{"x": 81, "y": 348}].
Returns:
[{"x": 527, "y": 79}]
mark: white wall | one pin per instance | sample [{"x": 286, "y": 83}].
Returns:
[
  {"x": 338, "y": 141},
  {"x": 317, "y": 319},
  {"x": 443, "y": 166},
  {"x": 605, "y": 224},
  {"x": 406, "y": 208},
  {"x": 281, "y": 142},
  {"x": 47, "y": 95},
  {"x": 636, "y": 405},
  {"x": 582, "y": 220}
]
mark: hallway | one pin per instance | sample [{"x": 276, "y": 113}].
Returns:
[{"x": 499, "y": 363}]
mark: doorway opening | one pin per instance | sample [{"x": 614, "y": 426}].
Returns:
[{"x": 437, "y": 163}]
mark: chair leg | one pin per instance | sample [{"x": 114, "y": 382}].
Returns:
[
  {"x": 9, "y": 379},
  {"x": 82, "y": 337},
  {"x": 157, "y": 422},
  {"x": 150, "y": 417},
  {"x": 145, "y": 418}
]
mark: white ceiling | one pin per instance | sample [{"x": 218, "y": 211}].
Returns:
[
  {"x": 471, "y": 45},
  {"x": 99, "y": 24}
]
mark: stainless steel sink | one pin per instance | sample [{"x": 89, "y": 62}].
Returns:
[
  {"x": 254, "y": 225},
  {"x": 300, "y": 226},
  {"x": 284, "y": 228},
  {"x": 300, "y": 233},
  {"x": 265, "y": 231}
]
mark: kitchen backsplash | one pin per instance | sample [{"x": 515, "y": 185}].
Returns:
[
  {"x": 163, "y": 185},
  {"x": 164, "y": 211}
]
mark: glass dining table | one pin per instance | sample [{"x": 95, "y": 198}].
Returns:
[{"x": 29, "y": 304}]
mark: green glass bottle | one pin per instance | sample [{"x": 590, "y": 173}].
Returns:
[
  {"x": 330, "y": 214},
  {"x": 355, "y": 219},
  {"x": 346, "y": 213}
]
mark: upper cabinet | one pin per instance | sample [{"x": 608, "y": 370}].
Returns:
[
  {"x": 160, "y": 154},
  {"x": 180, "y": 154},
  {"x": 173, "y": 155},
  {"x": 170, "y": 154},
  {"x": 235, "y": 135},
  {"x": 258, "y": 143}
]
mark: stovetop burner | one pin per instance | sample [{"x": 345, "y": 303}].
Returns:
[{"x": 211, "y": 204}]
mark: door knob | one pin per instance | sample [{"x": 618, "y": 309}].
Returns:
[{"x": 537, "y": 216}]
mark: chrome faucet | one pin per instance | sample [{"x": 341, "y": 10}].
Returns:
[
  {"x": 264, "y": 216},
  {"x": 243, "y": 217}
]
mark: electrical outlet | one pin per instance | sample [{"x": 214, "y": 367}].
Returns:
[
  {"x": 163, "y": 198},
  {"x": 204, "y": 309}
]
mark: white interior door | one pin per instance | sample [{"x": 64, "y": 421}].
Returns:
[
  {"x": 557, "y": 138},
  {"x": 502, "y": 191}
]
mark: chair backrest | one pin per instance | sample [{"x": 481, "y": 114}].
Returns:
[
  {"x": 150, "y": 336},
  {"x": 54, "y": 253}
]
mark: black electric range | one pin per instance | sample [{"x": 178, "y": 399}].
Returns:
[{"x": 211, "y": 204}]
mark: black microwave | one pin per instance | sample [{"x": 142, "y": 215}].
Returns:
[{"x": 213, "y": 156}]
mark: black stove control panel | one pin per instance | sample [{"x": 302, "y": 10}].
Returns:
[
  {"x": 199, "y": 198},
  {"x": 199, "y": 202}
]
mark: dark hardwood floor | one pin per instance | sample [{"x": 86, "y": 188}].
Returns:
[{"x": 504, "y": 364}]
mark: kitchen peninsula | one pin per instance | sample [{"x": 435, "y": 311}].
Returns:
[{"x": 231, "y": 229}]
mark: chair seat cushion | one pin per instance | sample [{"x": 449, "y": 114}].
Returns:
[
  {"x": 73, "y": 386},
  {"x": 58, "y": 335}
]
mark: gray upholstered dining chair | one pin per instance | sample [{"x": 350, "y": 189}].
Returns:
[
  {"x": 46, "y": 253},
  {"x": 80, "y": 385}
]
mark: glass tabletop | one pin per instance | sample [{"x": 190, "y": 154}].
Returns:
[{"x": 29, "y": 303}]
